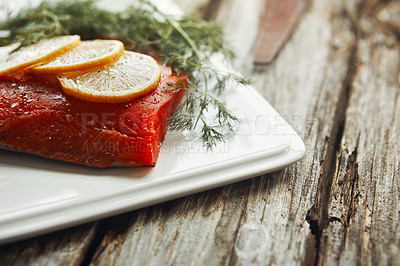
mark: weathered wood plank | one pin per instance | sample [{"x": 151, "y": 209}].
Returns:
[
  {"x": 364, "y": 199},
  {"x": 66, "y": 247},
  {"x": 305, "y": 85}
]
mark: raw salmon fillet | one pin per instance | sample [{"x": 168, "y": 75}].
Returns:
[{"x": 37, "y": 117}]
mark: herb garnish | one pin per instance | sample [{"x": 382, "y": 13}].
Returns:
[{"x": 186, "y": 44}]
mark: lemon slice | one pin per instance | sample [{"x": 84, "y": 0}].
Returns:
[
  {"x": 88, "y": 54},
  {"x": 131, "y": 76},
  {"x": 33, "y": 54}
]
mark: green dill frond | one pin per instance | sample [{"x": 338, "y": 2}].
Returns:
[
  {"x": 224, "y": 116},
  {"x": 49, "y": 20},
  {"x": 210, "y": 136},
  {"x": 177, "y": 85},
  {"x": 181, "y": 122}
]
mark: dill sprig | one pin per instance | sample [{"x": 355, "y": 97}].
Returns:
[{"x": 186, "y": 44}]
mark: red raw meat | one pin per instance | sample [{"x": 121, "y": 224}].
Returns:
[{"x": 37, "y": 117}]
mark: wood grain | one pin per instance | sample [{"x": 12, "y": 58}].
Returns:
[
  {"x": 363, "y": 206},
  {"x": 337, "y": 83},
  {"x": 67, "y": 247}
]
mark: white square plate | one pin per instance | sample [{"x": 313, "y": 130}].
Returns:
[{"x": 39, "y": 195}]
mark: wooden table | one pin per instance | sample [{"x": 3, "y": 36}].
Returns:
[{"x": 336, "y": 81}]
